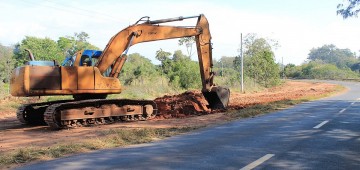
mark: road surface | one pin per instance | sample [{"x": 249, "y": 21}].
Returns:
[{"x": 323, "y": 134}]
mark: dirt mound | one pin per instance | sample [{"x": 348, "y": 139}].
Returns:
[{"x": 182, "y": 105}]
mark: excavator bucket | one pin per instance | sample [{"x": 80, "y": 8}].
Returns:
[{"x": 218, "y": 97}]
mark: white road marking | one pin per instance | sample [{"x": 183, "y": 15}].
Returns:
[
  {"x": 352, "y": 103},
  {"x": 321, "y": 124},
  {"x": 342, "y": 110},
  {"x": 256, "y": 163}
]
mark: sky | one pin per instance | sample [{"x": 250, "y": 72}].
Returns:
[{"x": 297, "y": 25}]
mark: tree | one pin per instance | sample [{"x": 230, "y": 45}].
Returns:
[
  {"x": 292, "y": 71},
  {"x": 321, "y": 70},
  {"x": 342, "y": 58},
  {"x": 162, "y": 55},
  {"x": 185, "y": 74},
  {"x": 82, "y": 36},
  {"x": 227, "y": 74},
  {"x": 164, "y": 58},
  {"x": 224, "y": 64},
  {"x": 42, "y": 49},
  {"x": 6, "y": 63},
  {"x": 349, "y": 9},
  {"x": 180, "y": 70},
  {"x": 178, "y": 55},
  {"x": 69, "y": 45},
  {"x": 188, "y": 42},
  {"x": 137, "y": 69},
  {"x": 259, "y": 62}
]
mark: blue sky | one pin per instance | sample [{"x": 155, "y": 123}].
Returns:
[{"x": 297, "y": 25}]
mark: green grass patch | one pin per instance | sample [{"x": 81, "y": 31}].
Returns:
[
  {"x": 337, "y": 90},
  {"x": 259, "y": 109}
]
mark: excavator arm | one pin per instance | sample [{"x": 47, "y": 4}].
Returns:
[{"x": 113, "y": 55}]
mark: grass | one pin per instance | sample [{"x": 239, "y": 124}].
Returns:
[
  {"x": 105, "y": 139},
  {"x": 338, "y": 89},
  {"x": 259, "y": 109}
]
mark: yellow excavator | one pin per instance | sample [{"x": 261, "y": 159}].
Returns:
[{"x": 91, "y": 75}]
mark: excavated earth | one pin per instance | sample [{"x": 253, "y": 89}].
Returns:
[{"x": 186, "y": 109}]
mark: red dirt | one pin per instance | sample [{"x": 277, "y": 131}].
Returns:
[
  {"x": 174, "y": 111},
  {"x": 182, "y": 105}
]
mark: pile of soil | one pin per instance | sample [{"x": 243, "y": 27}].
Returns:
[{"x": 182, "y": 105}]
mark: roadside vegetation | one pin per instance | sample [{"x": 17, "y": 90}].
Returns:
[{"x": 327, "y": 62}]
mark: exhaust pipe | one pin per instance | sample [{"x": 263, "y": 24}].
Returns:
[{"x": 31, "y": 56}]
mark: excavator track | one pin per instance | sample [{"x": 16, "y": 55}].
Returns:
[
  {"x": 98, "y": 111},
  {"x": 21, "y": 114},
  {"x": 32, "y": 114}
]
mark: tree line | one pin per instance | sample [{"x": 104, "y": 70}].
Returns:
[{"x": 327, "y": 62}]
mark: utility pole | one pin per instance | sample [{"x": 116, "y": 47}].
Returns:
[
  {"x": 283, "y": 67},
  {"x": 7, "y": 71},
  {"x": 222, "y": 69},
  {"x": 242, "y": 65},
  {"x": 8, "y": 74}
]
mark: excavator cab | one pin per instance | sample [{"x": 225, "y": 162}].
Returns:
[
  {"x": 82, "y": 58},
  {"x": 89, "y": 57}
]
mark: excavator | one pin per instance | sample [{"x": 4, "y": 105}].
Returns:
[{"x": 90, "y": 75}]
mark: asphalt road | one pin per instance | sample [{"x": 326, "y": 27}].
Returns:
[{"x": 323, "y": 134}]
